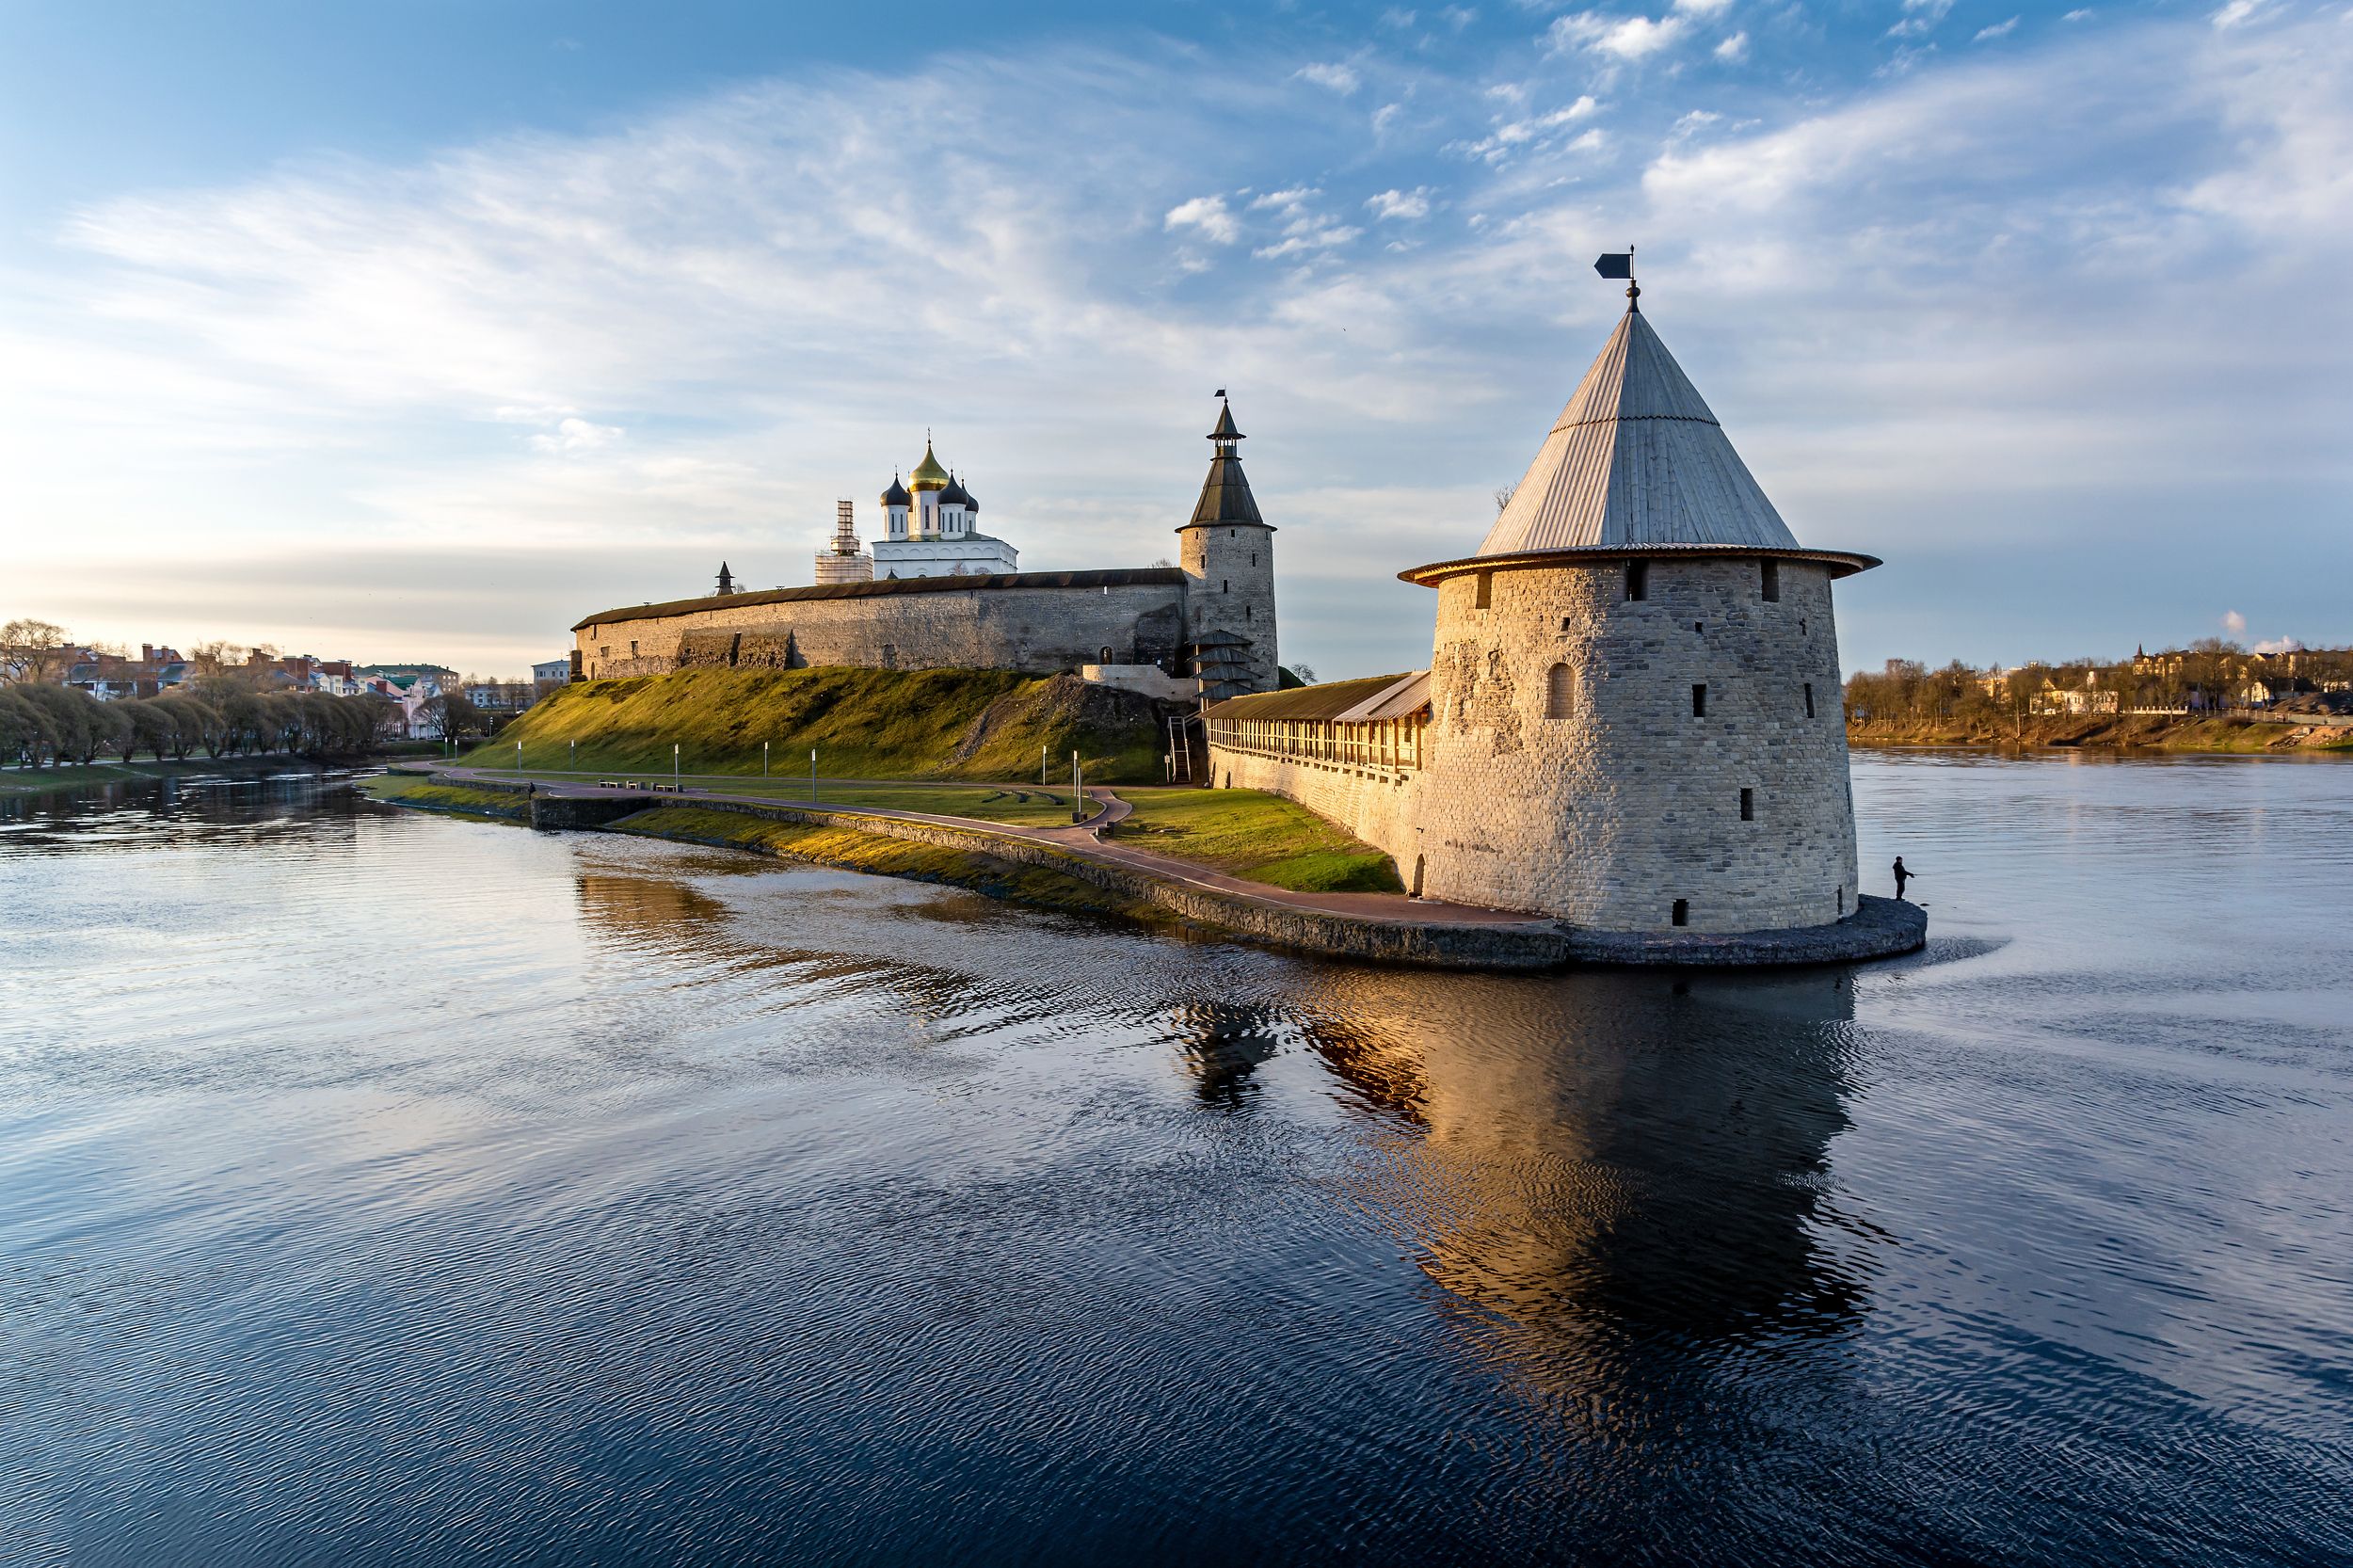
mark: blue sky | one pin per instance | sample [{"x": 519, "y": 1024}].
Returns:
[{"x": 418, "y": 331}]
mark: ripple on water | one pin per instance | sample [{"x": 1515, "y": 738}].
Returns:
[{"x": 384, "y": 1188}]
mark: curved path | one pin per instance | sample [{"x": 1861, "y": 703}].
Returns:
[{"x": 1082, "y": 839}]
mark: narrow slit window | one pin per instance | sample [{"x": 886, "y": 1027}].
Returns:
[
  {"x": 1560, "y": 693},
  {"x": 1748, "y": 806},
  {"x": 1638, "y": 580},
  {"x": 1682, "y": 913},
  {"x": 1486, "y": 591},
  {"x": 1842, "y": 897},
  {"x": 1699, "y": 702},
  {"x": 1564, "y": 623},
  {"x": 1809, "y": 699},
  {"x": 1772, "y": 582},
  {"x": 1699, "y": 627}
]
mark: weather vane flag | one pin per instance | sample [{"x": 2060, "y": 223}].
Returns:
[{"x": 1617, "y": 264}]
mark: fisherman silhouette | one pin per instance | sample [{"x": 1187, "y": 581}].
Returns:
[{"x": 1902, "y": 876}]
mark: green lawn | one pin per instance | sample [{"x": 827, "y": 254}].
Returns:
[
  {"x": 1008, "y": 803},
  {"x": 1262, "y": 837},
  {"x": 415, "y": 790},
  {"x": 864, "y": 724}
]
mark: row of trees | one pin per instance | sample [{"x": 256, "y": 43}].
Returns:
[
  {"x": 43, "y": 724},
  {"x": 2208, "y": 676}
]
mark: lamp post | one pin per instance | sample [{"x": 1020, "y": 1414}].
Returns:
[
  {"x": 1078, "y": 792},
  {"x": 574, "y": 765},
  {"x": 1041, "y": 767},
  {"x": 812, "y": 776},
  {"x": 674, "y": 767},
  {"x": 518, "y": 758},
  {"x": 763, "y": 759}
]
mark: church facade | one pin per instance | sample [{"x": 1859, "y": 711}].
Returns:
[{"x": 934, "y": 590}]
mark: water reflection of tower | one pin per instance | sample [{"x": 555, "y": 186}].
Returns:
[{"x": 1614, "y": 1154}]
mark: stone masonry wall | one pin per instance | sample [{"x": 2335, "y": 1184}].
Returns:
[
  {"x": 1040, "y": 630},
  {"x": 1607, "y": 815},
  {"x": 1377, "y": 805}
]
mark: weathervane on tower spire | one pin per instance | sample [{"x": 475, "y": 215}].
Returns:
[{"x": 1618, "y": 263}]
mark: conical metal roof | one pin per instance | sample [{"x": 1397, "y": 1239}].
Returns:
[{"x": 1637, "y": 459}]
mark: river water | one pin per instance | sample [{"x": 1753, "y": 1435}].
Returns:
[{"x": 384, "y": 1188}]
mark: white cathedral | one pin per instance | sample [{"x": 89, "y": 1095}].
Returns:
[{"x": 929, "y": 530}]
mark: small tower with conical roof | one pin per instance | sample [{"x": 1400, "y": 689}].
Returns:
[
  {"x": 1228, "y": 559},
  {"x": 727, "y": 580},
  {"x": 1635, "y": 715}
]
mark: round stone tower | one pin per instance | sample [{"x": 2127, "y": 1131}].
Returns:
[
  {"x": 1635, "y": 719},
  {"x": 1228, "y": 558}
]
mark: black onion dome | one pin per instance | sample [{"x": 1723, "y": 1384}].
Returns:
[{"x": 897, "y": 495}]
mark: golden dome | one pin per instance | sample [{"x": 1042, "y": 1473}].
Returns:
[{"x": 928, "y": 475}]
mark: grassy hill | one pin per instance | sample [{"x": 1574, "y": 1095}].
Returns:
[{"x": 865, "y": 724}]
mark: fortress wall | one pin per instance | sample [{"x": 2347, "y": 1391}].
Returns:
[
  {"x": 1605, "y": 816},
  {"x": 1038, "y": 630},
  {"x": 1379, "y": 806}
]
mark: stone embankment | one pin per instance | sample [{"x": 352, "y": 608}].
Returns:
[{"x": 1379, "y": 927}]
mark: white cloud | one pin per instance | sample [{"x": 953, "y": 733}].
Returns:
[
  {"x": 1307, "y": 237},
  {"x": 1920, "y": 18},
  {"x": 2076, "y": 16},
  {"x": 1397, "y": 19},
  {"x": 2279, "y": 644},
  {"x": 1339, "y": 78},
  {"x": 1734, "y": 49},
  {"x": 1702, "y": 8},
  {"x": 1631, "y": 38},
  {"x": 573, "y": 435},
  {"x": 1692, "y": 123},
  {"x": 1458, "y": 17},
  {"x": 1207, "y": 215},
  {"x": 1386, "y": 115},
  {"x": 1288, "y": 201},
  {"x": 1999, "y": 30},
  {"x": 2235, "y": 623},
  {"x": 1403, "y": 204},
  {"x": 2237, "y": 13},
  {"x": 1535, "y": 130}
]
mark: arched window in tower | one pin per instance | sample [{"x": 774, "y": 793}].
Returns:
[
  {"x": 1772, "y": 582},
  {"x": 1638, "y": 580},
  {"x": 1561, "y": 692},
  {"x": 1486, "y": 595}
]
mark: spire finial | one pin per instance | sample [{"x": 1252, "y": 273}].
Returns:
[{"x": 1620, "y": 263}]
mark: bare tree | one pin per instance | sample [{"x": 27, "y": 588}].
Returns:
[
  {"x": 33, "y": 651},
  {"x": 1503, "y": 497}
]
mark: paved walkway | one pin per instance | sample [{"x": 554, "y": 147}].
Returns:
[{"x": 1081, "y": 838}]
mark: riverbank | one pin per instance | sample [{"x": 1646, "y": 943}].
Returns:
[
  {"x": 1382, "y": 927},
  {"x": 2106, "y": 731},
  {"x": 20, "y": 782}
]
